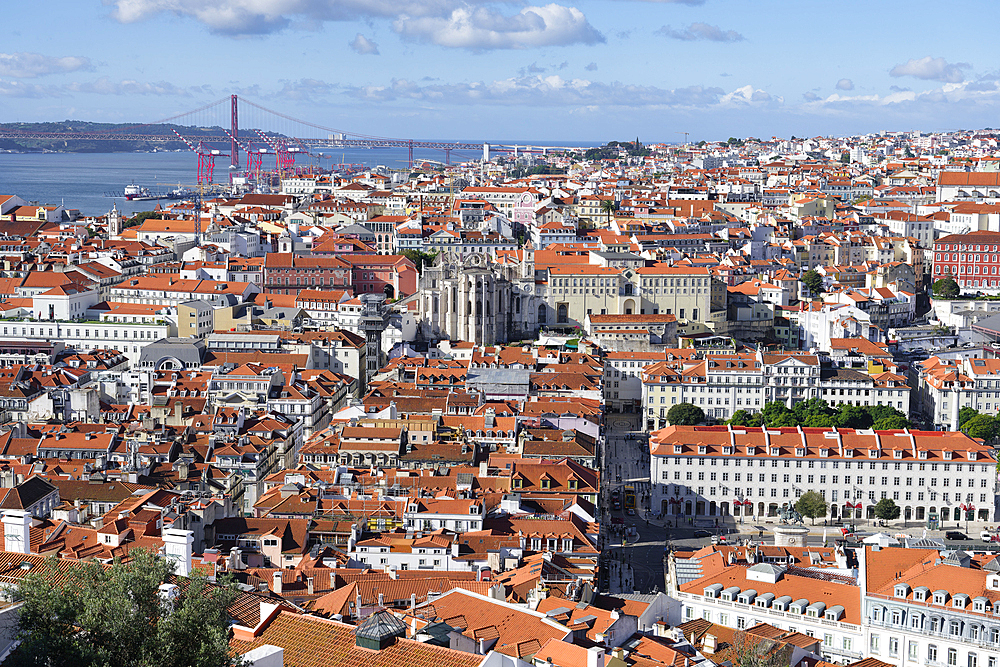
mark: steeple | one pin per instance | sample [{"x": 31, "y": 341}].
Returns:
[{"x": 114, "y": 221}]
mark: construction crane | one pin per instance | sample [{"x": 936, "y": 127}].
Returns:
[
  {"x": 685, "y": 137},
  {"x": 206, "y": 158}
]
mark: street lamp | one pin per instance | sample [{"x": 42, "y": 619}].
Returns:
[{"x": 968, "y": 509}]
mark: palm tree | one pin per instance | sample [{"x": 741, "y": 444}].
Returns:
[{"x": 608, "y": 206}]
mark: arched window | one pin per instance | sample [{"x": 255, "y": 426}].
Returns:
[{"x": 541, "y": 314}]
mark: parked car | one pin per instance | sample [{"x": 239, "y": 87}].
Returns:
[
  {"x": 986, "y": 536},
  {"x": 956, "y": 535},
  {"x": 702, "y": 533},
  {"x": 630, "y": 511}
]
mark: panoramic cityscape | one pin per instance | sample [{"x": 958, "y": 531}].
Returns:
[{"x": 621, "y": 334}]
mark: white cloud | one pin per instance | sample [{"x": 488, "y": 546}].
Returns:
[
  {"x": 591, "y": 67},
  {"x": 28, "y": 90},
  {"x": 701, "y": 31},
  {"x": 543, "y": 91},
  {"x": 23, "y": 65},
  {"x": 750, "y": 96},
  {"x": 105, "y": 86},
  {"x": 304, "y": 90},
  {"x": 481, "y": 29},
  {"x": 931, "y": 69},
  {"x": 845, "y": 84},
  {"x": 363, "y": 45},
  {"x": 454, "y": 23}
]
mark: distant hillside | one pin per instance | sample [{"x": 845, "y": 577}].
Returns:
[{"x": 102, "y": 146}]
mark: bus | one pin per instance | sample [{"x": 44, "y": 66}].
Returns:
[{"x": 630, "y": 497}]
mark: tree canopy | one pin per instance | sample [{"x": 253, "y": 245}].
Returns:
[
  {"x": 91, "y": 615},
  {"x": 965, "y": 414},
  {"x": 813, "y": 281},
  {"x": 886, "y": 509},
  {"x": 138, "y": 218},
  {"x": 946, "y": 288},
  {"x": 686, "y": 414},
  {"x": 812, "y": 505},
  {"x": 816, "y": 413},
  {"x": 985, "y": 427},
  {"x": 419, "y": 257}
]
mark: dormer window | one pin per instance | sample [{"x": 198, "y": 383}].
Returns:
[
  {"x": 940, "y": 597},
  {"x": 960, "y": 601},
  {"x": 848, "y": 453},
  {"x": 727, "y": 450},
  {"x": 751, "y": 451},
  {"x": 946, "y": 455},
  {"x": 702, "y": 449},
  {"x": 678, "y": 449},
  {"x": 800, "y": 451},
  {"x": 920, "y": 594},
  {"x": 873, "y": 453},
  {"x": 971, "y": 455},
  {"x": 901, "y": 590},
  {"x": 922, "y": 455},
  {"x": 775, "y": 451},
  {"x": 824, "y": 453},
  {"x": 897, "y": 453}
]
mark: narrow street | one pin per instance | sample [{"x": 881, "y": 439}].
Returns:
[{"x": 633, "y": 561}]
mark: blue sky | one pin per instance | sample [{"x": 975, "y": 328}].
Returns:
[{"x": 571, "y": 70}]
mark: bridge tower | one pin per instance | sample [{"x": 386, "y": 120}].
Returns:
[
  {"x": 374, "y": 320},
  {"x": 234, "y": 160}
]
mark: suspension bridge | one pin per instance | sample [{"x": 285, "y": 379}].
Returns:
[{"x": 265, "y": 133}]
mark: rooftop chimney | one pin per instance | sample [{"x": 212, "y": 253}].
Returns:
[
  {"x": 15, "y": 531},
  {"x": 178, "y": 546},
  {"x": 276, "y": 585}
]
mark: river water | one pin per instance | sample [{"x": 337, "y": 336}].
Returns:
[{"x": 81, "y": 180}]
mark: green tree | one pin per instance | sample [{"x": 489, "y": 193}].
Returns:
[
  {"x": 945, "y": 288},
  {"x": 90, "y": 615},
  {"x": 420, "y": 258},
  {"x": 820, "y": 421},
  {"x": 886, "y": 509},
  {"x": 138, "y": 218},
  {"x": 878, "y": 412},
  {"x": 785, "y": 420},
  {"x": 813, "y": 281},
  {"x": 853, "y": 416},
  {"x": 894, "y": 422},
  {"x": 739, "y": 418},
  {"x": 774, "y": 411},
  {"x": 845, "y": 157},
  {"x": 812, "y": 505},
  {"x": 984, "y": 427},
  {"x": 811, "y": 407},
  {"x": 686, "y": 414},
  {"x": 965, "y": 414},
  {"x": 609, "y": 207}
]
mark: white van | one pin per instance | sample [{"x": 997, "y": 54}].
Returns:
[{"x": 986, "y": 536}]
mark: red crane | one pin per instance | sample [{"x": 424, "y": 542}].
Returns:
[{"x": 206, "y": 159}]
